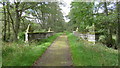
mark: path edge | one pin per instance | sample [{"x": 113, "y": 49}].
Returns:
[
  {"x": 43, "y": 53},
  {"x": 69, "y": 50}
]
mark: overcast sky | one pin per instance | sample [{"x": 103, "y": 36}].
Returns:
[{"x": 66, "y": 8}]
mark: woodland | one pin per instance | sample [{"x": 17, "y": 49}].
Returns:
[{"x": 101, "y": 19}]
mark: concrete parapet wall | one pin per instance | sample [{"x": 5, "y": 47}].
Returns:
[
  {"x": 38, "y": 35},
  {"x": 88, "y": 37}
]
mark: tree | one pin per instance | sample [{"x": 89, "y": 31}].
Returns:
[
  {"x": 102, "y": 15},
  {"x": 82, "y": 17},
  {"x": 5, "y": 22},
  {"x": 18, "y": 15},
  {"x": 109, "y": 35},
  {"x": 8, "y": 20},
  {"x": 48, "y": 14},
  {"x": 118, "y": 24}
]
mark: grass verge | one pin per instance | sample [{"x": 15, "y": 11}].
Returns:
[
  {"x": 15, "y": 54},
  {"x": 87, "y": 54}
]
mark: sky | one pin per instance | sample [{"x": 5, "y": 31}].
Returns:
[{"x": 66, "y": 8}]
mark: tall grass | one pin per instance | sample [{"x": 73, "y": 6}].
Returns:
[
  {"x": 88, "y": 54},
  {"x": 22, "y": 54}
]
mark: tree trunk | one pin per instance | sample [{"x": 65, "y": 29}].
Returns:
[
  {"x": 118, "y": 24},
  {"x": 43, "y": 20},
  {"x": 109, "y": 35},
  {"x": 5, "y": 23},
  {"x": 8, "y": 20},
  {"x": 17, "y": 22}
]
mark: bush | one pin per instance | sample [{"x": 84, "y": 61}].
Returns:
[
  {"x": 102, "y": 39},
  {"x": 105, "y": 40},
  {"x": 22, "y": 54},
  {"x": 21, "y": 35}
]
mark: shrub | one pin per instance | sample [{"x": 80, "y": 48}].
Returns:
[{"x": 105, "y": 40}]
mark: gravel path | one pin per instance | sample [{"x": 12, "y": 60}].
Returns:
[{"x": 58, "y": 54}]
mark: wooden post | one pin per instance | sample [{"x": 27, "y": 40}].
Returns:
[{"x": 26, "y": 34}]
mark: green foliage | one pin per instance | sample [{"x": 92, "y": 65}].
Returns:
[
  {"x": 67, "y": 32},
  {"x": 87, "y": 54},
  {"x": 40, "y": 15},
  {"x": 22, "y": 54},
  {"x": 102, "y": 15},
  {"x": 105, "y": 40},
  {"x": 102, "y": 39},
  {"x": 21, "y": 36},
  {"x": 49, "y": 15},
  {"x": 81, "y": 17}
]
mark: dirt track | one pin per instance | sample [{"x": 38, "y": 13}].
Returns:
[{"x": 58, "y": 54}]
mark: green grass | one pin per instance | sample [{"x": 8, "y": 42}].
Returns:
[
  {"x": 25, "y": 54},
  {"x": 87, "y": 54}
]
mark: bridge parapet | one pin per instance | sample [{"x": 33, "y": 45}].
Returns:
[
  {"x": 39, "y": 35},
  {"x": 29, "y": 36},
  {"x": 88, "y": 37}
]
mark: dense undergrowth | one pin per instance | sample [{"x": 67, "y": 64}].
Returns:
[
  {"x": 22, "y": 54},
  {"x": 85, "y": 53}
]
